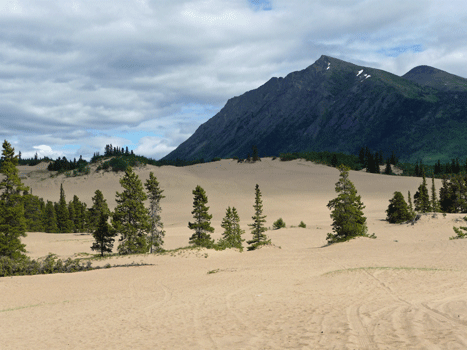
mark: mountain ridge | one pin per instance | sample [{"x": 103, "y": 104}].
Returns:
[{"x": 334, "y": 105}]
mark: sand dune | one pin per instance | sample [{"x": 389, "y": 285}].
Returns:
[{"x": 404, "y": 290}]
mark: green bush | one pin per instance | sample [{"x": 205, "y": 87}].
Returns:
[
  {"x": 302, "y": 224},
  {"x": 278, "y": 224},
  {"x": 47, "y": 265}
]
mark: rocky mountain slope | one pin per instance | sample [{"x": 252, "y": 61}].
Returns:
[{"x": 334, "y": 105}]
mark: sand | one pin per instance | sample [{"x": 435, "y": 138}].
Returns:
[{"x": 406, "y": 289}]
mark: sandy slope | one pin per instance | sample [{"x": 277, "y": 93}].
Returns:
[{"x": 404, "y": 290}]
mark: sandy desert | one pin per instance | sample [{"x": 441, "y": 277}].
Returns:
[{"x": 406, "y": 289}]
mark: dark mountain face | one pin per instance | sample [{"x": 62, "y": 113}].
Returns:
[{"x": 337, "y": 106}]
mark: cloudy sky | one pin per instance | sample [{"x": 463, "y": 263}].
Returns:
[{"x": 76, "y": 75}]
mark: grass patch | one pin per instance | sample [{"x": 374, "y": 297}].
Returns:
[
  {"x": 21, "y": 307},
  {"x": 384, "y": 268}
]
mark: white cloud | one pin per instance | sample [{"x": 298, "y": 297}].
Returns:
[
  {"x": 153, "y": 147},
  {"x": 42, "y": 151},
  {"x": 70, "y": 67}
]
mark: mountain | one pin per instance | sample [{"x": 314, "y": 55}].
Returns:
[
  {"x": 338, "y": 106},
  {"x": 436, "y": 78}
]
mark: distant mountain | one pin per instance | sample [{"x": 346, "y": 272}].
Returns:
[
  {"x": 436, "y": 78},
  {"x": 338, "y": 106}
]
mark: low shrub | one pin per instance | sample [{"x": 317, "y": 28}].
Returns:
[
  {"x": 47, "y": 265},
  {"x": 278, "y": 224},
  {"x": 302, "y": 224}
]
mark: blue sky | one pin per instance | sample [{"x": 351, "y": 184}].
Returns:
[{"x": 77, "y": 75}]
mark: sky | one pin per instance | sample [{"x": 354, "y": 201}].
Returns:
[{"x": 76, "y": 75}]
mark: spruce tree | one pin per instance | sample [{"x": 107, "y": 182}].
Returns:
[
  {"x": 398, "y": 210},
  {"x": 33, "y": 212},
  {"x": 12, "y": 220},
  {"x": 79, "y": 208},
  {"x": 63, "y": 216},
  {"x": 131, "y": 218},
  {"x": 411, "y": 210},
  {"x": 202, "y": 222},
  {"x": 71, "y": 215},
  {"x": 421, "y": 198},
  {"x": 347, "y": 211},
  {"x": 453, "y": 194},
  {"x": 434, "y": 199},
  {"x": 257, "y": 227},
  {"x": 99, "y": 207},
  {"x": 104, "y": 236},
  {"x": 461, "y": 231},
  {"x": 232, "y": 236},
  {"x": 50, "y": 218},
  {"x": 156, "y": 238},
  {"x": 388, "y": 170}
]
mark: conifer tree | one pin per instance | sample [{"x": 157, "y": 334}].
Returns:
[
  {"x": 50, "y": 218},
  {"x": 99, "y": 207},
  {"x": 411, "y": 210},
  {"x": 257, "y": 227},
  {"x": 388, "y": 170},
  {"x": 12, "y": 220},
  {"x": 232, "y": 236},
  {"x": 63, "y": 216},
  {"x": 131, "y": 218},
  {"x": 156, "y": 238},
  {"x": 255, "y": 154},
  {"x": 347, "y": 214},
  {"x": 202, "y": 222},
  {"x": 421, "y": 198},
  {"x": 361, "y": 157},
  {"x": 434, "y": 199},
  {"x": 71, "y": 215},
  {"x": 33, "y": 212},
  {"x": 460, "y": 231},
  {"x": 79, "y": 209},
  {"x": 104, "y": 236},
  {"x": 398, "y": 210}
]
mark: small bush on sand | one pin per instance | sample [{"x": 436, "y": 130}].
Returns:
[
  {"x": 278, "y": 224},
  {"x": 461, "y": 231},
  {"x": 302, "y": 224}
]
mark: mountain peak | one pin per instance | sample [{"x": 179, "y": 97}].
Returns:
[
  {"x": 436, "y": 78},
  {"x": 334, "y": 105}
]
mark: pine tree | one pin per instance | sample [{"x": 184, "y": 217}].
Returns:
[
  {"x": 50, "y": 218},
  {"x": 255, "y": 154},
  {"x": 12, "y": 220},
  {"x": 202, "y": 223},
  {"x": 461, "y": 231},
  {"x": 232, "y": 236},
  {"x": 131, "y": 218},
  {"x": 71, "y": 215},
  {"x": 99, "y": 207},
  {"x": 104, "y": 236},
  {"x": 453, "y": 194},
  {"x": 257, "y": 227},
  {"x": 361, "y": 157},
  {"x": 434, "y": 200},
  {"x": 411, "y": 210},
  {"x": 33, "y": 212},
  {"x": 421, "y": 198},
  {"x": 156, "y": 238},
  {"x": 79, "y": 208},
  {"x": 398, "y": 210},
  {"x": 388, "y": 170},
  {"x": 347, "y": 214},
  {"x": 63, "y": 216}
]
